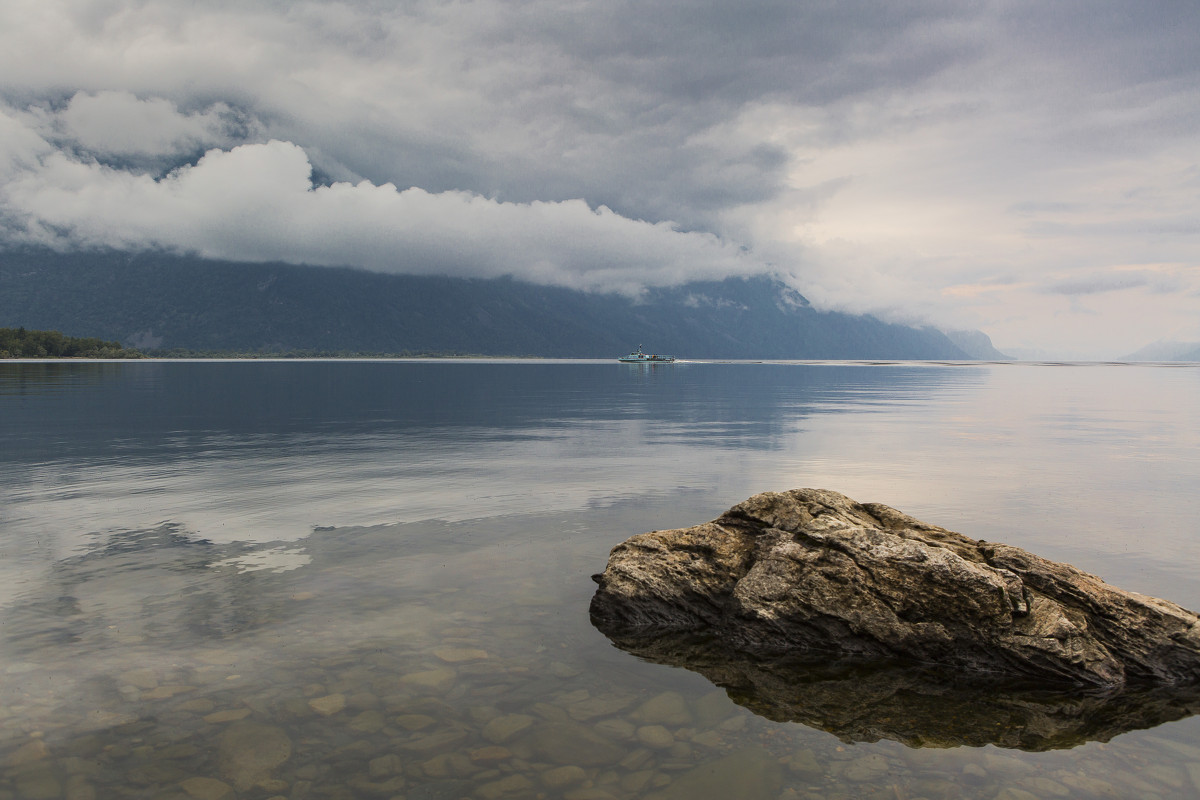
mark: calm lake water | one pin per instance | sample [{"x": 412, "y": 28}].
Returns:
[{"x": 371, "y": 579}]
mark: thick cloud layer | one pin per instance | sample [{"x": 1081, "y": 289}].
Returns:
[
  {"x": 1022, "y": 167},
  {"x": 257, "y": 202}
]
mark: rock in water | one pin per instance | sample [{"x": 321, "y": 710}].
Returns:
[{"x": 812, "y": 570}]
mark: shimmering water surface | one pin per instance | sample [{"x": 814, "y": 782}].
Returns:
[{"x": 370, "y": 579}]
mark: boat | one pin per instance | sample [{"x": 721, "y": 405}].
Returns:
[{"x": 638, "y": 357}]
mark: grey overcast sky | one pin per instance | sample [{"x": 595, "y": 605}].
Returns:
[{"x": 1028, "y": 168}]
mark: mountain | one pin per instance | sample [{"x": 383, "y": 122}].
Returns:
[
  {"x": 1190, "y": 355},
  {"x": 977, "y": 345},
  {"x": 161, "y": 301},
  {"x": 1166, "y": 351}
]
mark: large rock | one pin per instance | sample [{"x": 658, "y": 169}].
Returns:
[{"x": 812, "y": 570}]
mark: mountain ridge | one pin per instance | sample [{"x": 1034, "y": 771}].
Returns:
[
  {"x": 1165, "y": 351},
  {"x": 164, "y": 301}
]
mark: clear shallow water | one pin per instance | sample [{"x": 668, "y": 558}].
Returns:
[{"x": 370, "y": 579}]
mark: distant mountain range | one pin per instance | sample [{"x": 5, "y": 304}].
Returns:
[
  {"x": 1166, "y": 351},
  {"x": 165, "y": 302}
]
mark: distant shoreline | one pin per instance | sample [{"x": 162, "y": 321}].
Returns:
[
  {"x": 151, "y": 359},
  {"x": 19, "y": 342}
]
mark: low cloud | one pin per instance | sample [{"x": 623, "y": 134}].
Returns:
[
  {"x": 121, "y": 124},
  {"x": 1097, "y": 285},
  {"x": 1158, "y": 281},
  {"x": 258, "y": 202}
]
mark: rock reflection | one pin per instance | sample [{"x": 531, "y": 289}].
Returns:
[{"x": 919, "y": 706}]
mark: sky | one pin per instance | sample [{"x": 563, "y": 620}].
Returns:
[{"x": 1024, "y": 168}]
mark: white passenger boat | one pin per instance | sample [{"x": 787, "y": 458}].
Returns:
[{"x": 638, "y": 357}]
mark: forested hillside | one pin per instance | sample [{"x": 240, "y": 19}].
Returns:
[{"x": 162, "y": 302}]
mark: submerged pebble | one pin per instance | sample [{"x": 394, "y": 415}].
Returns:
[
  {"x": 655, "y": 737},
  {"x": 207, "y": 789},
  {"x": 501, "y": 729},
  {"x": 249, "y": 753},
  {"x": 328, "y": 705}
]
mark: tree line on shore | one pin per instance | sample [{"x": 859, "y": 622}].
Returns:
[{"x": 20, "y": 343}]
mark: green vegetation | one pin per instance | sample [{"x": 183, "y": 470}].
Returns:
[
  {"x": 182, "y": 352},
  {"x": 20, "y": 343}
]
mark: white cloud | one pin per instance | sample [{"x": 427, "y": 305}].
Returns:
[
  {"x": 985, "y": 215},
  {"x": 21, "y": 147},
  {"x": 121, "y": 124},
  {"x": 932, "y": 161},
  {"x": 257, "y": 202}
]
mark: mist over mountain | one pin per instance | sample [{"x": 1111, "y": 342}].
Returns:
[
  {"x": 1166, "y": 351},
  {"x": 161, "y": 301}
]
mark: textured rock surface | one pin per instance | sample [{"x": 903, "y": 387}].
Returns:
[{"x": 812, "y": 570}]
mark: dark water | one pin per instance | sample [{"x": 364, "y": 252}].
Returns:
[{"x": 370, "y": 579}]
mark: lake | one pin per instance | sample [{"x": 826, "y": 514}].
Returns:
[{"x": 370, "y": 579}]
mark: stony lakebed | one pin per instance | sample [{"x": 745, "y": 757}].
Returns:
[{"x": 376, "y": 676}]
